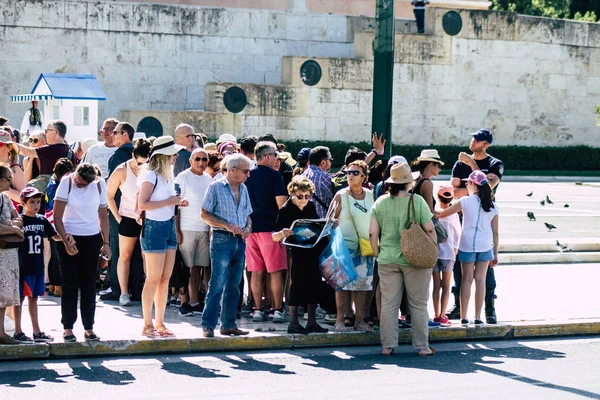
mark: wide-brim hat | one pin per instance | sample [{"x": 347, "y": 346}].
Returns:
[
  {"x": 6, "y": 138},
  {"x": 401, "y": 173},
  {"x": 226, "y": 137},
  {"x": 430, "y": 155},
  {"x": 165, "y": 145},
  {"x": 287, "y": 157}
]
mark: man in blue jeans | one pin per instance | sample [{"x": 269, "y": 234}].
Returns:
[{"x": 226, "y": 208}]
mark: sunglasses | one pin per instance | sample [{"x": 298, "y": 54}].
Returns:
[
  {"x": 203, "y": 159},
  {"x": 49, "y": 130},
  {"x": 117, "y": 133},
  {"x": 355, "y": 173},
  {"x": 8, "y": 178},
  {"x": 34, "y": 141},
  {"x": 303, "y": 196},
  {"x": 245, "y": 171},
  {"x": 276, "y": 154}
]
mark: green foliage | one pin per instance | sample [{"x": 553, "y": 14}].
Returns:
[
  {"x": 570, "y": 158},
  {"x": 597, "y": 108},
  {"x": 582, "y": 10},
  {"x": 589, "y": 16}
]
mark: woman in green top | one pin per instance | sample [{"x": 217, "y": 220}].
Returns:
[{"x": 389, "y": 217}]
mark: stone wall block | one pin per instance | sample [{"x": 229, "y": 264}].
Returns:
[
  {"x": 258, "y": 24},
  {"x": 296, "y": 27},
  {"x": 576, "y": 33},
  {"x": 488, "y": 25},
  {"x": 316, "y": 27},
  {"x": 76, "y": 15},
  {"x": 594, "y": 35},
  {"x": 421, "y": 49},
  {"x": 28, "y": 13},
  {"x": 544, "y": 30},
  {"x": 277, "y": 26}
]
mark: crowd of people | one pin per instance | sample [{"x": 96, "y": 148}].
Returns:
[{"x": 178, "y": 221}]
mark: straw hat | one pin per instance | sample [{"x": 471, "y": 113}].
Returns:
[
  {"x": 165, "y": 145},
  {"x": 401, "y": 173},
  {"x": 430, "y": 155},
  {"x": 6, "y": 138}
]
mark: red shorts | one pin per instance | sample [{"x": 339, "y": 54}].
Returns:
[{"x": 264, "y": 253}]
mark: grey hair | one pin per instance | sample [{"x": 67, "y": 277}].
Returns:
[
  {"x": 263, "y": 148},
  {"x": 235, "y": 160}
]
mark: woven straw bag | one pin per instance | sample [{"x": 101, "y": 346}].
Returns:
[{"x": 417, "y": 247}]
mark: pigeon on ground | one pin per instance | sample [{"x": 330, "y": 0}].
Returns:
[
  {"x": 548, "y": 200},
  {"x": 543, "y": 202},
  {"x": 529, "y": 194},
  {"x": 561, "y": 247},
  {"x": 566, "y": 206},
  {"x": 549, "y": 226},
  {"x": 530, "y": 216}
]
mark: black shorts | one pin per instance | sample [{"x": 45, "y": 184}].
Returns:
[{"x": 129, "y": 227}]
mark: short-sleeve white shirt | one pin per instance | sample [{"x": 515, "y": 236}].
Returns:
[{"x": 81, "y": 212}]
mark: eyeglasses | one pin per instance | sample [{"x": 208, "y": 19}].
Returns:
[
  {"x": 34, "y": 141},
  {"x": 118, "y": 133},
  {"x": 354, "y": 172},
  {"x": 360, "y": 207},
  {"x": 8, "y": 178},
  {"x": 245, "y": 171},
  {"x": 303, "y": 196},
  {"x": 329, "y": 159},
  {"x": 276, "y": 154},
  {"x": 203, "y": 159},
  {"x": 49, "y": 130}
]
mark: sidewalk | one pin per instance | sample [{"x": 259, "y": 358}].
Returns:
[{"x": 533, "y": 301}]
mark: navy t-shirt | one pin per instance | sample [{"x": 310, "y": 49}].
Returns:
[
  {"x": 487, "y": 165},
  {"x": 31, "y": 251},
  {"x": 264, "y": 184}
]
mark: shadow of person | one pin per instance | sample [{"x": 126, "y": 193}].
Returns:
[
  {"x": 21, "y": 379},
  {"x": 179, "y": 366},
  {"x": 99, "y": 373},
  {"x": 453, "y": 362},
  {"x": 253, "y": 365}
]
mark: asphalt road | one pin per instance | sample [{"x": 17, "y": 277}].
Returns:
[{"x": 558, "y": 369}]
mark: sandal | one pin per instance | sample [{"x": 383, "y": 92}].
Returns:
[
  {"x": 362, "y": 326},
  {"x": 164, "y": 332},
  {"x": 349, "y": 321},
  {"x": 150, "y": 332},
  {"x": 427, "y": 354},
  {"x": 388, "y": 351},
  {"x": 339, "y": 327}
]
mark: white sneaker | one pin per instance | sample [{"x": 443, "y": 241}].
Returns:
[
  {"x": 331, "y": 317},
  {"x": 320, "y": 313},
  {"x": 258, "y": 316},
  {"x": 124, "y": 300},
  {"x": 107, "y": 291},
  {"x": 305, "y": 316},
  {"x": 279, "y": 317}
]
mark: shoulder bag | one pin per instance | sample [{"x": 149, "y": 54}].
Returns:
[
  {"x": 365, "y": 246},
  {"x": 417, "y": 247},
  {"x": 10, "y": 241}
]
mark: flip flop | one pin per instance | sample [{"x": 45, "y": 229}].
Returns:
[
  {"x": 150, "y": 332},
  {"x": 388, "y": 351},
  {"x": 362, "y": 326},
  {"x": 426, "y": 355},
  {"x": 164, "y": 332},
  {"x": 339, "y": 327}
]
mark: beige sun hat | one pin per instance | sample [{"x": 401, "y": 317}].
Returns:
[
  {"x": 6, "y": 138},
  {"x": 401, "y": 173},
  {"x": 165, "y": 145},
  {"x": 430, "y": 155}
]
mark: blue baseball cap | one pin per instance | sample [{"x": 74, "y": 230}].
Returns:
[
  {"x": 483, "y": 135},
  {"x": 303, "y": 154}
]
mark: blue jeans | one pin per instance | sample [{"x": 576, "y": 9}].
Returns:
[{"x": 227, "y": 255}]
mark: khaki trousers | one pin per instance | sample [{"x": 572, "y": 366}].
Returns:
[{"x": 393, "y": 279}]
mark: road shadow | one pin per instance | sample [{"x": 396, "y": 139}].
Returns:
[
  {"x": 179, "y": 366},
  {"x": 472, "y": 361},
  {"x": 253, "y": 365},
  {"x": 28, "y": 379}
]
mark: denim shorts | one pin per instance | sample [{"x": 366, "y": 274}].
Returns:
[
  {"x": 159, "y": 236},
  {"x": 474, "y": 257},
  {"x": 443, "y": 265}
]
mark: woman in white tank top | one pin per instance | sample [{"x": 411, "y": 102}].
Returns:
[{"x": 124, "y": 178}]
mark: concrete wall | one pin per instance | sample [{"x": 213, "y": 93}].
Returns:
[{"x": 156, "y": 57}]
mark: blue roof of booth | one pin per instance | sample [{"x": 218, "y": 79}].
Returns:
[{"x": 72, "y": 86}]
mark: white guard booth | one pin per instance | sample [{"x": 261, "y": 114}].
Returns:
[{"x": 72, "y": 98}]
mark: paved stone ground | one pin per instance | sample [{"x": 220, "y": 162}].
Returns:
[{"x": 551, "y": 292}]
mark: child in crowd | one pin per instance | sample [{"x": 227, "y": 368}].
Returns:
[
  {"x": 478, "y": 246},
  {"x": 442, "y": 271},
  {"x": 31, "y": 262}
]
